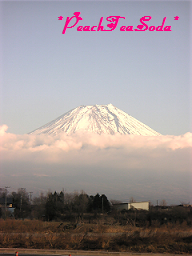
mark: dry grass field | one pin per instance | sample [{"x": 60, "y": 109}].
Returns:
[{"x": 169, "y": 238}]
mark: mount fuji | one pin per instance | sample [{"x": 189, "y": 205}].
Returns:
[{"x": 99, "y": 119}]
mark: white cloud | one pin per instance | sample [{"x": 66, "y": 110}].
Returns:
[{"x": 94, "y": 158}]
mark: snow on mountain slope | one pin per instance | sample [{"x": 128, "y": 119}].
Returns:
[{"x": 99, "y": 119}]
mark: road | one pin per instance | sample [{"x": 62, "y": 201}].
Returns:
[{"x": 41, "y": 252}]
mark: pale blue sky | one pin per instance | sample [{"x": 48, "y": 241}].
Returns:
[{"x": 45, "y": 73}]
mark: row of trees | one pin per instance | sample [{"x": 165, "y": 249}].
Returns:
[
  {"x": 73, "y": 207},
  {"x": 56, "y": 205}
]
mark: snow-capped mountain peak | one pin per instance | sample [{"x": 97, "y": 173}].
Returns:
[{"x": 99, "y": 119}]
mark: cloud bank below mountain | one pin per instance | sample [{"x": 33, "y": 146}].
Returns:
[{"x": 121, "y": 166}]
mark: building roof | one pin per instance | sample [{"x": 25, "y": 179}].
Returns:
[{"x": 131, "y": 203}]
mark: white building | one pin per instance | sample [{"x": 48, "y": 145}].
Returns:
[{"x": 128, "y": 206}]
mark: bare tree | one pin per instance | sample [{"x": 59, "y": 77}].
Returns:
[
  {"x": 163, "y": 202},
  {"x": 113, "y": 201},
  {"x": 81, "y": 203},
  {"x": 132, "y": 200}
]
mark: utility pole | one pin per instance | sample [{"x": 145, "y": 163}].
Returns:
[
  {"x": 63, "y": 197},
  {"x": 102, "y": 203},
  {"x": 6, "y": 201},
  {"x": 30, "y": 196},
  {"x": 20, "y": 203},
  {"x": 63, "y": 200},
  {"x": 22, "y": 190}
]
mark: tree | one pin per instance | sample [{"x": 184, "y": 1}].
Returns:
[
  {"x": 163, "y": 203},
  {"x": 114, "y": 201},
  {"x": 38, "y": 207},
  {"x": 81, "y": 203},
  {"x": 21, "y": 203},
  {"x": 50, "y": 207},
  {"x": 69, "y": 198},
  {"x": 99, "y": 203},
  {"x": 54, "y": 206},
  {"x": 106, "y": 206},
  {"x": 132, "y": 200}
]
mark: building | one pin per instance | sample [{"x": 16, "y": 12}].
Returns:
[
  {"x": 9, "y": 202},
  {"x": 8, "y": 207},
  {"x": 128, "y": 206}
]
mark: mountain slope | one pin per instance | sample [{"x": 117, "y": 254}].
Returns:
[{"x": 99, "y": 119}]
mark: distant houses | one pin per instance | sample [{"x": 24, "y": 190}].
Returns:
[
  {"x": 6, "y": 205},
  {"x": 9, "y": 203},
  {"x": 128, "y": 206}
]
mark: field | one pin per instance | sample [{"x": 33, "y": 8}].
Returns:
[{"x": 101, "y": 235}]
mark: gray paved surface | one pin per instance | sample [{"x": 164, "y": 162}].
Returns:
[{"x": 42, "y": 252}]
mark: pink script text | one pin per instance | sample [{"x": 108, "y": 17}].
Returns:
[{"x": 113, "y": 22}]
